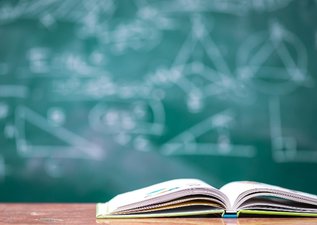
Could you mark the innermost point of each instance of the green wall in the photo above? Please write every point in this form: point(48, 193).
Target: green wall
point(101, 97)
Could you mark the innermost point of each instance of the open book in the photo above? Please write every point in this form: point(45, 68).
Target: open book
point(192, 197)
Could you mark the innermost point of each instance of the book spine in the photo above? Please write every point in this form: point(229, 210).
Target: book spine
point(230, 215)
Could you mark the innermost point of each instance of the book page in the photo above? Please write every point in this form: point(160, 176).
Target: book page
point(157, 193)
point(235, 191)
point(278, 204)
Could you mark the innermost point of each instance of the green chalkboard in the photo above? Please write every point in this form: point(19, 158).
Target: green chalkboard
point(102, 97)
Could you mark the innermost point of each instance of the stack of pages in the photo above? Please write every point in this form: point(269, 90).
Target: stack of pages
point(192, 197)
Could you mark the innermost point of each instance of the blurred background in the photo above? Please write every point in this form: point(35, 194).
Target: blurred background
point(102, 97)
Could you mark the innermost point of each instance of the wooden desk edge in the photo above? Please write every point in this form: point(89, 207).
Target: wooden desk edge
point(58, 213)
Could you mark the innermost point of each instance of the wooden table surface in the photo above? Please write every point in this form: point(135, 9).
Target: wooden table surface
point(85, 214)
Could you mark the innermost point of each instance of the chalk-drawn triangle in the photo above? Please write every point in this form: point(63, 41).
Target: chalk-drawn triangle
point(273, 70)
point(199, 47)
point(216, 127)
point(67, 144)
point(279, 65)
point(202, 70)
point(274, 62)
